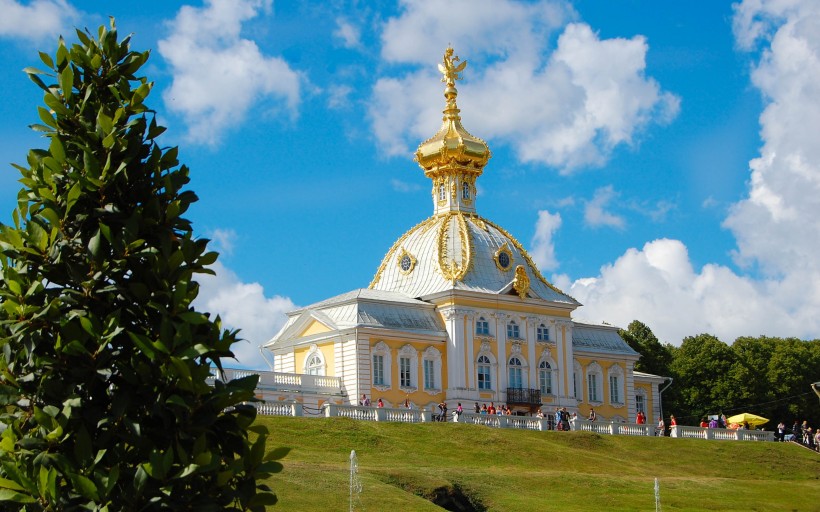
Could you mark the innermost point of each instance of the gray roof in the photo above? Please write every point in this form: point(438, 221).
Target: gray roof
point(367, 308)
point(599, 338)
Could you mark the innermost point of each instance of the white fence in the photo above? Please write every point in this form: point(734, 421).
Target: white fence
point(402, 415)
point(285, 382)
point(720, 434)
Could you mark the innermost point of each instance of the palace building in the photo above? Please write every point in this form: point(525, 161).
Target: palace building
point(458, 312)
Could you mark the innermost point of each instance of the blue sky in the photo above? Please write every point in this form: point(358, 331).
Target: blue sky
point(659, 161)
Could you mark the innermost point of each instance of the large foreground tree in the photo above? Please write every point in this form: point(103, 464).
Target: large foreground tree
point(105, 365)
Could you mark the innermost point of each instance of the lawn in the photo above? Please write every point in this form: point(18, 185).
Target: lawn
point(403, 466)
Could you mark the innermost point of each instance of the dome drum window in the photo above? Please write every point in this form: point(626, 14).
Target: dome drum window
point(406, 262)
point(503, 258)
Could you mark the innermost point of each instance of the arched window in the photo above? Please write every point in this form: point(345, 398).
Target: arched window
point(465, 191)
point(431, 361)
point(314, 365)
point(616, 382)
point(314, 361)
point(408, 368)
point(543, 334)
point(482, 327)
point(594, 383)
point(577, 383)
point(382, 365)
point(484, 366)
point(512, 330)
point(442, 192)
point(545, 378)
point(514, 367)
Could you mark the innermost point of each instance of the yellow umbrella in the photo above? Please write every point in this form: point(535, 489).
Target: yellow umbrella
point(752, 419)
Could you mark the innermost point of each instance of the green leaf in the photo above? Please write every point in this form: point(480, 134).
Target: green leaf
point(16, 497)
point(46, 58)
point(67, 82)
point(84, 485)
point(46, 117)
point(144, 344)
point(5, 483)
point(14, 287)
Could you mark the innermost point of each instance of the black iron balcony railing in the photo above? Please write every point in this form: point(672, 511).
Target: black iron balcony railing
point(523, 396)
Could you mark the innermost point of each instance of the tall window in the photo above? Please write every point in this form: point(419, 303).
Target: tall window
point(484, 381)
point(614, 390)
point(404, 372)
point(639, 404)
point(429, 374)
point(545, 378)
point(592, 379)
point(465, 191)
point(378, 370)
point(512, 330)
point(314, 365)
point(482, 327)
point(543, 333)
point(442, 193)
point(515, 373)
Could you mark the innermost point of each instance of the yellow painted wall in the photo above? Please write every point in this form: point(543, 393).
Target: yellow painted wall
point(605, 409)
point(314, 327)
point(395, 395)
point(300, 354)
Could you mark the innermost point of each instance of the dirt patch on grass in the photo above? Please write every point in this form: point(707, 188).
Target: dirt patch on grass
point(450, 496)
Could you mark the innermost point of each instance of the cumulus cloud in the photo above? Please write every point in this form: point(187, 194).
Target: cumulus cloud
point(543, 248)
point(775, 226)
point(218, 75)
point(566, 108)
point(36, 21)
point(595, 213)
point(348, 33)
point(243, 306)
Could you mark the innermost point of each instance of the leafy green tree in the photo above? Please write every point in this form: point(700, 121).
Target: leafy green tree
point(701, 367)
point(105, 366)
point(655, 357)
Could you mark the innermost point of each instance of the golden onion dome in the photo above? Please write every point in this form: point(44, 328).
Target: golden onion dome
point(452, 158)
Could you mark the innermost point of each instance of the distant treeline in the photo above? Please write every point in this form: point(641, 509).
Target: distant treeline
point(770, 377)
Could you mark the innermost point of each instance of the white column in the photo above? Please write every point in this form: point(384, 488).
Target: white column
point(564, 329)
point(531, 323)
point(454, 323)
point(469, 336)
point(501, 341)
point(561, 390)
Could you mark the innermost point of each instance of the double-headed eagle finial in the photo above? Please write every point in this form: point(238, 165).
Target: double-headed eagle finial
point(449, 69)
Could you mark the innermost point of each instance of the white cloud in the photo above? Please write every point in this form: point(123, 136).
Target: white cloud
point(37, 21)
point(339, 96)
point(223, 240)
point(219, 75)
point(776, 226)
point(243, 306)
point(403, 186)
point(595, 214)
point(349, 33)
point(543, 248)
point(566, 108)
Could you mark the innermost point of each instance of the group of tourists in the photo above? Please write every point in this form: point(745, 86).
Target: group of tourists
point(800, 433)
point(501, 410)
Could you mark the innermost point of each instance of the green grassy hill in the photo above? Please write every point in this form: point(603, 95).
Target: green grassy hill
point(403, 466)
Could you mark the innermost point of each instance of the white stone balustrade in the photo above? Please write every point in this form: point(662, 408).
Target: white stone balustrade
point(720, 434)
point(289, 382)
point(358, 412)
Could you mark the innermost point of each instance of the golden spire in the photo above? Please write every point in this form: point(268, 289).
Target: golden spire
point(452, 158)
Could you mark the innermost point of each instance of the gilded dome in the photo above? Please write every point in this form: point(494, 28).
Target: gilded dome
point(462, 252)
point(455, 248)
